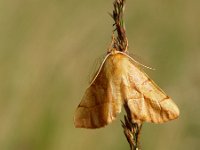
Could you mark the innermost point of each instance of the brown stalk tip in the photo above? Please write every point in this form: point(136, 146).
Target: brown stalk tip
point(121, 43)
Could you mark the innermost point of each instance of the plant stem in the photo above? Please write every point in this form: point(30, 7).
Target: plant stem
point(132, 130)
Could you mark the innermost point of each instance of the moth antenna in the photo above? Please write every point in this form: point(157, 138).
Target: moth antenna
point(120, 53)
point(100, 68)
point(137, 62)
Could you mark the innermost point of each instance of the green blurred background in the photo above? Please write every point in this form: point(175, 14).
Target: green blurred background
point(48, 49)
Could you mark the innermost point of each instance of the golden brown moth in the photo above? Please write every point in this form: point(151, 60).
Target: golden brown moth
point(120, 81)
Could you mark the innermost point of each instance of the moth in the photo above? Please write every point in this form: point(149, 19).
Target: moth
point(120, 81)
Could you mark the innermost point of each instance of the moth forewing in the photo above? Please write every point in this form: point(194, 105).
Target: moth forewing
point(152, 104)
point(102, 100)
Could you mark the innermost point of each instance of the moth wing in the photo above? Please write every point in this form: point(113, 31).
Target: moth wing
point(146, 101)
point(101, 101)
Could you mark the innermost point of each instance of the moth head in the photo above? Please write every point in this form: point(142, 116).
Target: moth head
point(113, 51)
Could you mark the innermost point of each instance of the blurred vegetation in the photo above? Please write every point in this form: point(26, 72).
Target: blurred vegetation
point(47, 51)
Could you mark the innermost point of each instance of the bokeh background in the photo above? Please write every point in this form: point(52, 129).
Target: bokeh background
point(49, 49)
